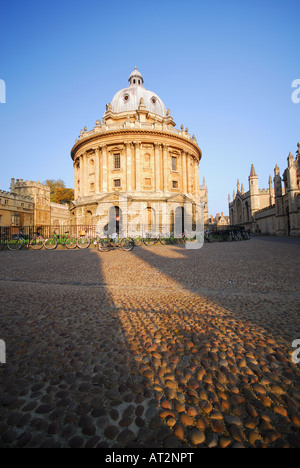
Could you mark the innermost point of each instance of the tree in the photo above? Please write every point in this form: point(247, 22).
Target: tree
point(58, 191)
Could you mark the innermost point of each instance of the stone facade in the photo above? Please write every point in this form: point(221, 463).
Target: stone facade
point(219, 221)
point(16, 210)
point(274, 211)
point(135, 164)
point(28, 204)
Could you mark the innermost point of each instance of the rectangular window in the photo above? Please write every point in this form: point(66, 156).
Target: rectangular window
point(174, 163)
point(15, 220)
point(147, 182)
point(175, 184)
point(117, 183)
point(117, 161)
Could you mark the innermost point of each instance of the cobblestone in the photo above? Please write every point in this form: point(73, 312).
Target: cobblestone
point(160, 347)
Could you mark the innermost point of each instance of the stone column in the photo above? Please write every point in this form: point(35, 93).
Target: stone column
point(137, 166)
point(184, 178)
point(85, 175)
point(75, 179)
point(188, 172)
point(196, 170)
point(156, 167)
point(97, 172)
point(128, 167)
point(165, 167)
point(81, 193)
point(104, 169)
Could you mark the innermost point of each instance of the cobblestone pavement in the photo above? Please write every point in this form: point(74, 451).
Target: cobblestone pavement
point(161, 347)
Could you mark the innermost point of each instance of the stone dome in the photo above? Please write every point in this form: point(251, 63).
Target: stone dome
point(128, 99)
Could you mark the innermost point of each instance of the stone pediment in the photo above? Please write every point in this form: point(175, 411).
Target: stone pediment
point(179, 198)
point(113, 197)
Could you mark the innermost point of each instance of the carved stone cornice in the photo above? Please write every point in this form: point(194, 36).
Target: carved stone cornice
point(136, 131)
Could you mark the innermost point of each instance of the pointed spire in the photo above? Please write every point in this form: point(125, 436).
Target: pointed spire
point(290, 159)
point(252, 172)
point(242, 189)
point(276, 170)
point(238, 185)
point(270, 181)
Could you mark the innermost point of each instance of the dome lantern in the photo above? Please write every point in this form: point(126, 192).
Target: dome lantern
point(135, 78)
point(128, 99)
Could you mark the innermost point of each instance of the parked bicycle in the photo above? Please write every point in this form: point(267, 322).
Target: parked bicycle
point(37, 241)
point(52, 242)
point(138, 240)
point(115, 242)
point(152, 238)
point(16, 241)
point(83, 241)
point(165, 239)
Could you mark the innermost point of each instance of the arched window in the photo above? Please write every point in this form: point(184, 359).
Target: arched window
point(91, 166)
point(179, 220)
point(88, 218)
point(149, 219)
point(114, 224)
point(239, 212)
point(247, 211)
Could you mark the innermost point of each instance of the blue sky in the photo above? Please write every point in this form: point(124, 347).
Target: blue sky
point(224, 69)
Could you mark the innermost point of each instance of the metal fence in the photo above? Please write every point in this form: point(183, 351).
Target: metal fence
point(129, 230)
point(27, 232)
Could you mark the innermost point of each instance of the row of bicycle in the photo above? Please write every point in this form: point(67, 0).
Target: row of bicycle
point(37, 241)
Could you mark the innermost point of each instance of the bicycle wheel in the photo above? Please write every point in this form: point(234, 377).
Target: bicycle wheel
point(103, 245)
point(36, 243)
point(138, 241)
point(15, 243)
point(71, 243)
point(127, 244)
point(83, 242)
point(50, 243)
point(164, 240)
point(149, 240)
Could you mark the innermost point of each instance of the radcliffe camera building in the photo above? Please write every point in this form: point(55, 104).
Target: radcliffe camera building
point(137, 165)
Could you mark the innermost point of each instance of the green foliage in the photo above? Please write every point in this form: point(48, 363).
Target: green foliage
point(58, 191)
